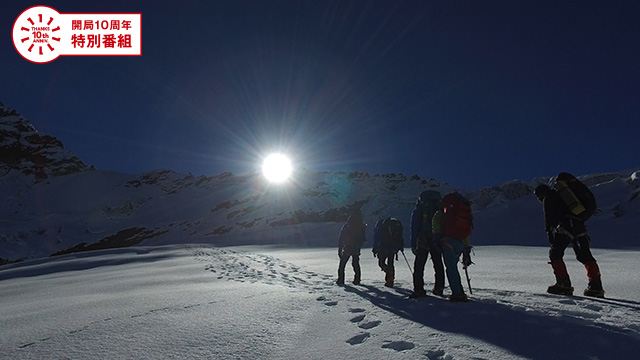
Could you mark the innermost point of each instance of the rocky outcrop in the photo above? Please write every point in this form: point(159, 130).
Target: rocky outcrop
point(24, 149)
point(124, 238)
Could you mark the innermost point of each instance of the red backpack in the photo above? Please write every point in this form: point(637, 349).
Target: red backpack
point(457, 220)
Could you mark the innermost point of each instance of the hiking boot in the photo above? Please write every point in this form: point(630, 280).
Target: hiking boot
point(437, 291)
point(356, 279)
point(388, 278)
point(594, 289)
point(418, 294)
point(560, 289)
point(459, 298)
point(340, 282)
point(594, 293)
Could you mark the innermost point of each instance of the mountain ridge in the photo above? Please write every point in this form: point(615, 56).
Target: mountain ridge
point(67, 206)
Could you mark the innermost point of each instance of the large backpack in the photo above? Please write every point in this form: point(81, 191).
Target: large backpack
point(457, 220)
point(353, 232)
point(353, 235)
point(429, 202)
point(391, 234)
point(576, 195)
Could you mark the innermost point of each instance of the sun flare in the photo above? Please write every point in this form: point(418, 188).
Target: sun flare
point(277, 167)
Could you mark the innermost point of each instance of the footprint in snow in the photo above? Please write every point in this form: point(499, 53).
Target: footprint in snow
point(358, 318)
point(436, 355)
point(399, 345)
point(370, 325)
point(327, 302)
point(359, 339)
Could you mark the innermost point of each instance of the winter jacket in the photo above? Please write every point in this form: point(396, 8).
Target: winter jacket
point(352, 236)
point(558, 215)
point(555, 210)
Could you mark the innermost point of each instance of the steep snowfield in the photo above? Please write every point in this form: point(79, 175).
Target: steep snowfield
point(204, 302)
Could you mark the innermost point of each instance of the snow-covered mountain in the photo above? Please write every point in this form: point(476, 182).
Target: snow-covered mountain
point(53, 203)
point(24, 149)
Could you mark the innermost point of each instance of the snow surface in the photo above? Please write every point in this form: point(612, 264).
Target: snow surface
point(261, 302)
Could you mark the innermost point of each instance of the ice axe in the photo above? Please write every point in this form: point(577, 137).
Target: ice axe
point(466, 273)
point(466, 260)
point(407, 261)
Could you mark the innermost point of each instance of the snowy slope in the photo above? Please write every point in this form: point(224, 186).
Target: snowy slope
point(203, 302)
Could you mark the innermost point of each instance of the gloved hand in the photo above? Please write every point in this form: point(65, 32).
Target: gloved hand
point(414, 250)
point(466, 256)
point(340, 253)
point(375, 253)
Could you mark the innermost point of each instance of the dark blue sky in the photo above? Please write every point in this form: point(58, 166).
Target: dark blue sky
point(473, 93)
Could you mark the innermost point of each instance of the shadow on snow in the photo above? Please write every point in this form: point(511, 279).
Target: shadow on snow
point(539, 335)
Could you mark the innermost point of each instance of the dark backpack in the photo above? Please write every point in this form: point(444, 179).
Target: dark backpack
point(353, 235)
point(391, 234)
point(457, 219)
point(576, 195)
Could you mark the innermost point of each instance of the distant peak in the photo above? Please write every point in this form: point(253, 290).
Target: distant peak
point(24, 149)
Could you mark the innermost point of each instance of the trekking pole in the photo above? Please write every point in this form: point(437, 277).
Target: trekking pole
point(407, 261)
point(468, 280)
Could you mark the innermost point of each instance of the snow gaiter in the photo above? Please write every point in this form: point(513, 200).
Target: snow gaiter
point(593, 271)
point(389, 276)
point(560, 271)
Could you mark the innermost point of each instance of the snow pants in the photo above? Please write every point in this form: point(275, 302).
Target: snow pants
point(578, 237)
point(581, 247)
point(419, 263)
point(355, 263)
point(385, 261)
point(452, 249)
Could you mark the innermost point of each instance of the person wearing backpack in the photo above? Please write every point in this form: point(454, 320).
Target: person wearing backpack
point(387, 241)
point(451, 228)
point(429, 201)
point(563, 227)
point(352, 237)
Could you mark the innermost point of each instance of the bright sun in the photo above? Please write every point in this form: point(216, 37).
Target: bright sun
point(276, 167)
